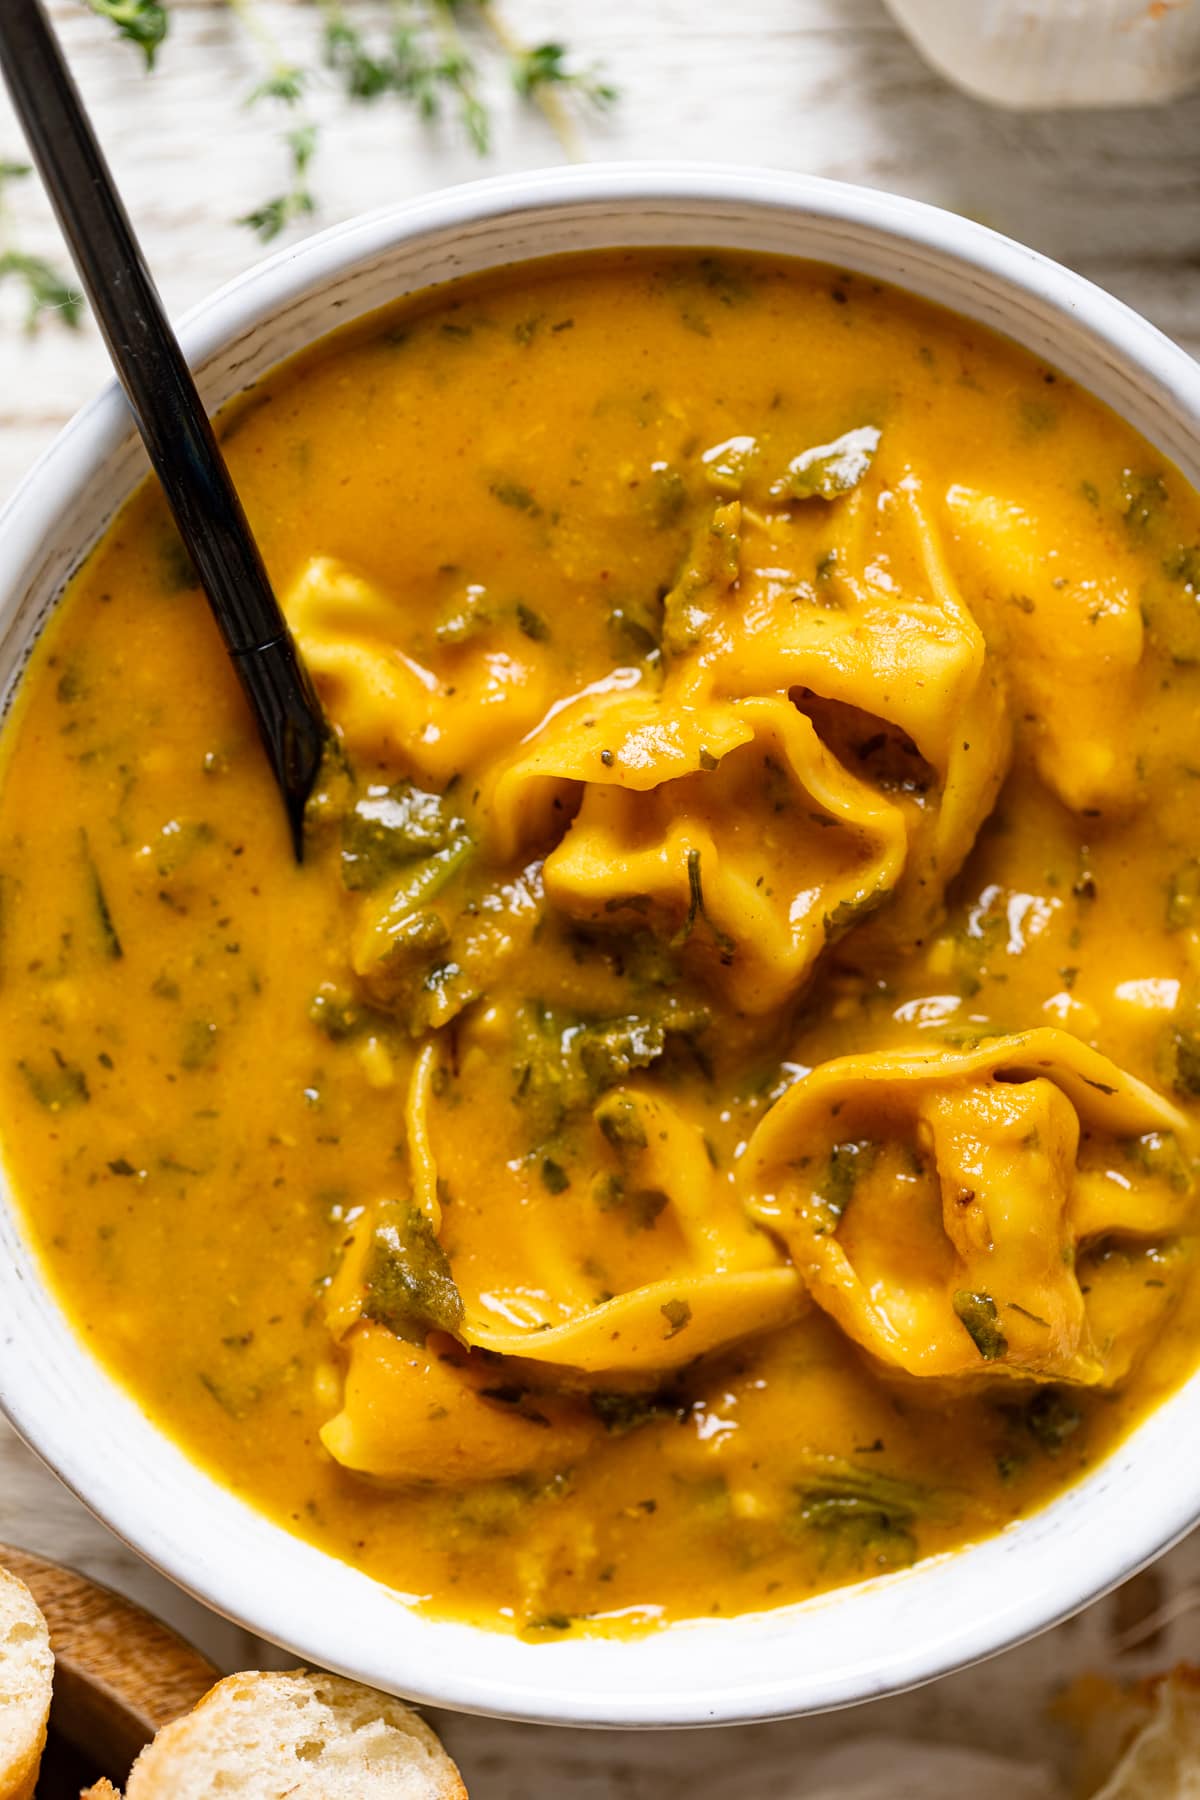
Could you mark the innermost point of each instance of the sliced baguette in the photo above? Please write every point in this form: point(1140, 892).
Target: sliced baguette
point(1152, 1735)
point(297, 1736)
point(26, 1678)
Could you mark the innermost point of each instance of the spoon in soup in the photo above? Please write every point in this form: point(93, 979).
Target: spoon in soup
point(165, 404)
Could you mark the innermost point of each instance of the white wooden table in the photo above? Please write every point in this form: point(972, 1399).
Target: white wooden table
point(827, 86)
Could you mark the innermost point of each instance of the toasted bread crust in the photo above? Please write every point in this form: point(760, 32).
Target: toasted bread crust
point(271, 1735)
point(26, 1680)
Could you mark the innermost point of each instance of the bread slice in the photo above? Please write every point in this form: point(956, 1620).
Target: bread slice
point(26, 1678)
point(300, 1736)
point(1153, 1731)
point(103, 1790)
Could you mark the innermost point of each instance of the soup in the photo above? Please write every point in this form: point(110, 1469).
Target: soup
point(713, 1116)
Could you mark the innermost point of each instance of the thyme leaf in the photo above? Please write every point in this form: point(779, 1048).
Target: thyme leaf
point(47, 289)
point(696, 911)
point(426, 60)
point(142, 23)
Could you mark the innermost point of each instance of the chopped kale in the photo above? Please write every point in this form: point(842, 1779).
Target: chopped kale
point(532, 623)
point(711, 567)
point(1184, 1058)
point(466, 619)
point(847, 1163)
point(851, 912)
point(178, 843)
point(555, 1179)
point(1183, 895)
point(564, 1063)
point(620, 1119)
point(407, 1284)
point(338, 1014)
point(862, 1514)
point(610, 1049)
point(727, 465)
point(1158, 1154)
point(828, 470)
point(1143, 496)
point(57, 1087)
point(390, 828)
point(638, 626)
point(640, 1207)
point(1184, 566)
point(668, 496)
point(620, 1411)
point(1051, 1417)
point(979, 1318)
point(100, 906)
point(423, 881)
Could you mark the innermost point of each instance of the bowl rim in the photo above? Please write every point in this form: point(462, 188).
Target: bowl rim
point(441, 1663)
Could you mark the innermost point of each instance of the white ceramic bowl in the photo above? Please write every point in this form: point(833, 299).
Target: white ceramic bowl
point(851, 1645)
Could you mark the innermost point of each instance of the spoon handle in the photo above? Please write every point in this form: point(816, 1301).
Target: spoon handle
point(166, 406)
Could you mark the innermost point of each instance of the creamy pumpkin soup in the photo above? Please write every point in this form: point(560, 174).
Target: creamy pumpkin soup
point(714, 1115)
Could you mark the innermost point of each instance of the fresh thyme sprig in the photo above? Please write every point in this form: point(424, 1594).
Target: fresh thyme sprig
point(284, 83)
point(269, 219)
point(46, 290)
point(143, 22)
point(424, 57)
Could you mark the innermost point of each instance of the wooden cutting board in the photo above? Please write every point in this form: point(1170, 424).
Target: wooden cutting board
point(119, 1676)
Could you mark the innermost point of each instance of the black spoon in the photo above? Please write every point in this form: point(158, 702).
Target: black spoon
point(169, 414)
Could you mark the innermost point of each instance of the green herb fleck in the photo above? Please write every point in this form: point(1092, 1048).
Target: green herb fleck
point(977, 1315)
point(100, 906)
point(516, 495)
point(696, 911)
point(200, 1040)
point(1183, 895)
point(532, 623)
point(678, 1315)
point(620, 1119)
point(1158, 1154)
point(1051, 1417)
point(1184, 1048)
point(555, 1179)
point(847, 1163)
point(1143, 496)
point(639, 625)
point(58, 1087)
point(621, 1411)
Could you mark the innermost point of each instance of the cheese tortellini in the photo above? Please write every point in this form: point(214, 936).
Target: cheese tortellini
point(817, 736)
point(1070, 621)
point(957, 1213)
point(398, 1280)
point(421, 714)
point(729, 825)
point(852, 610)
